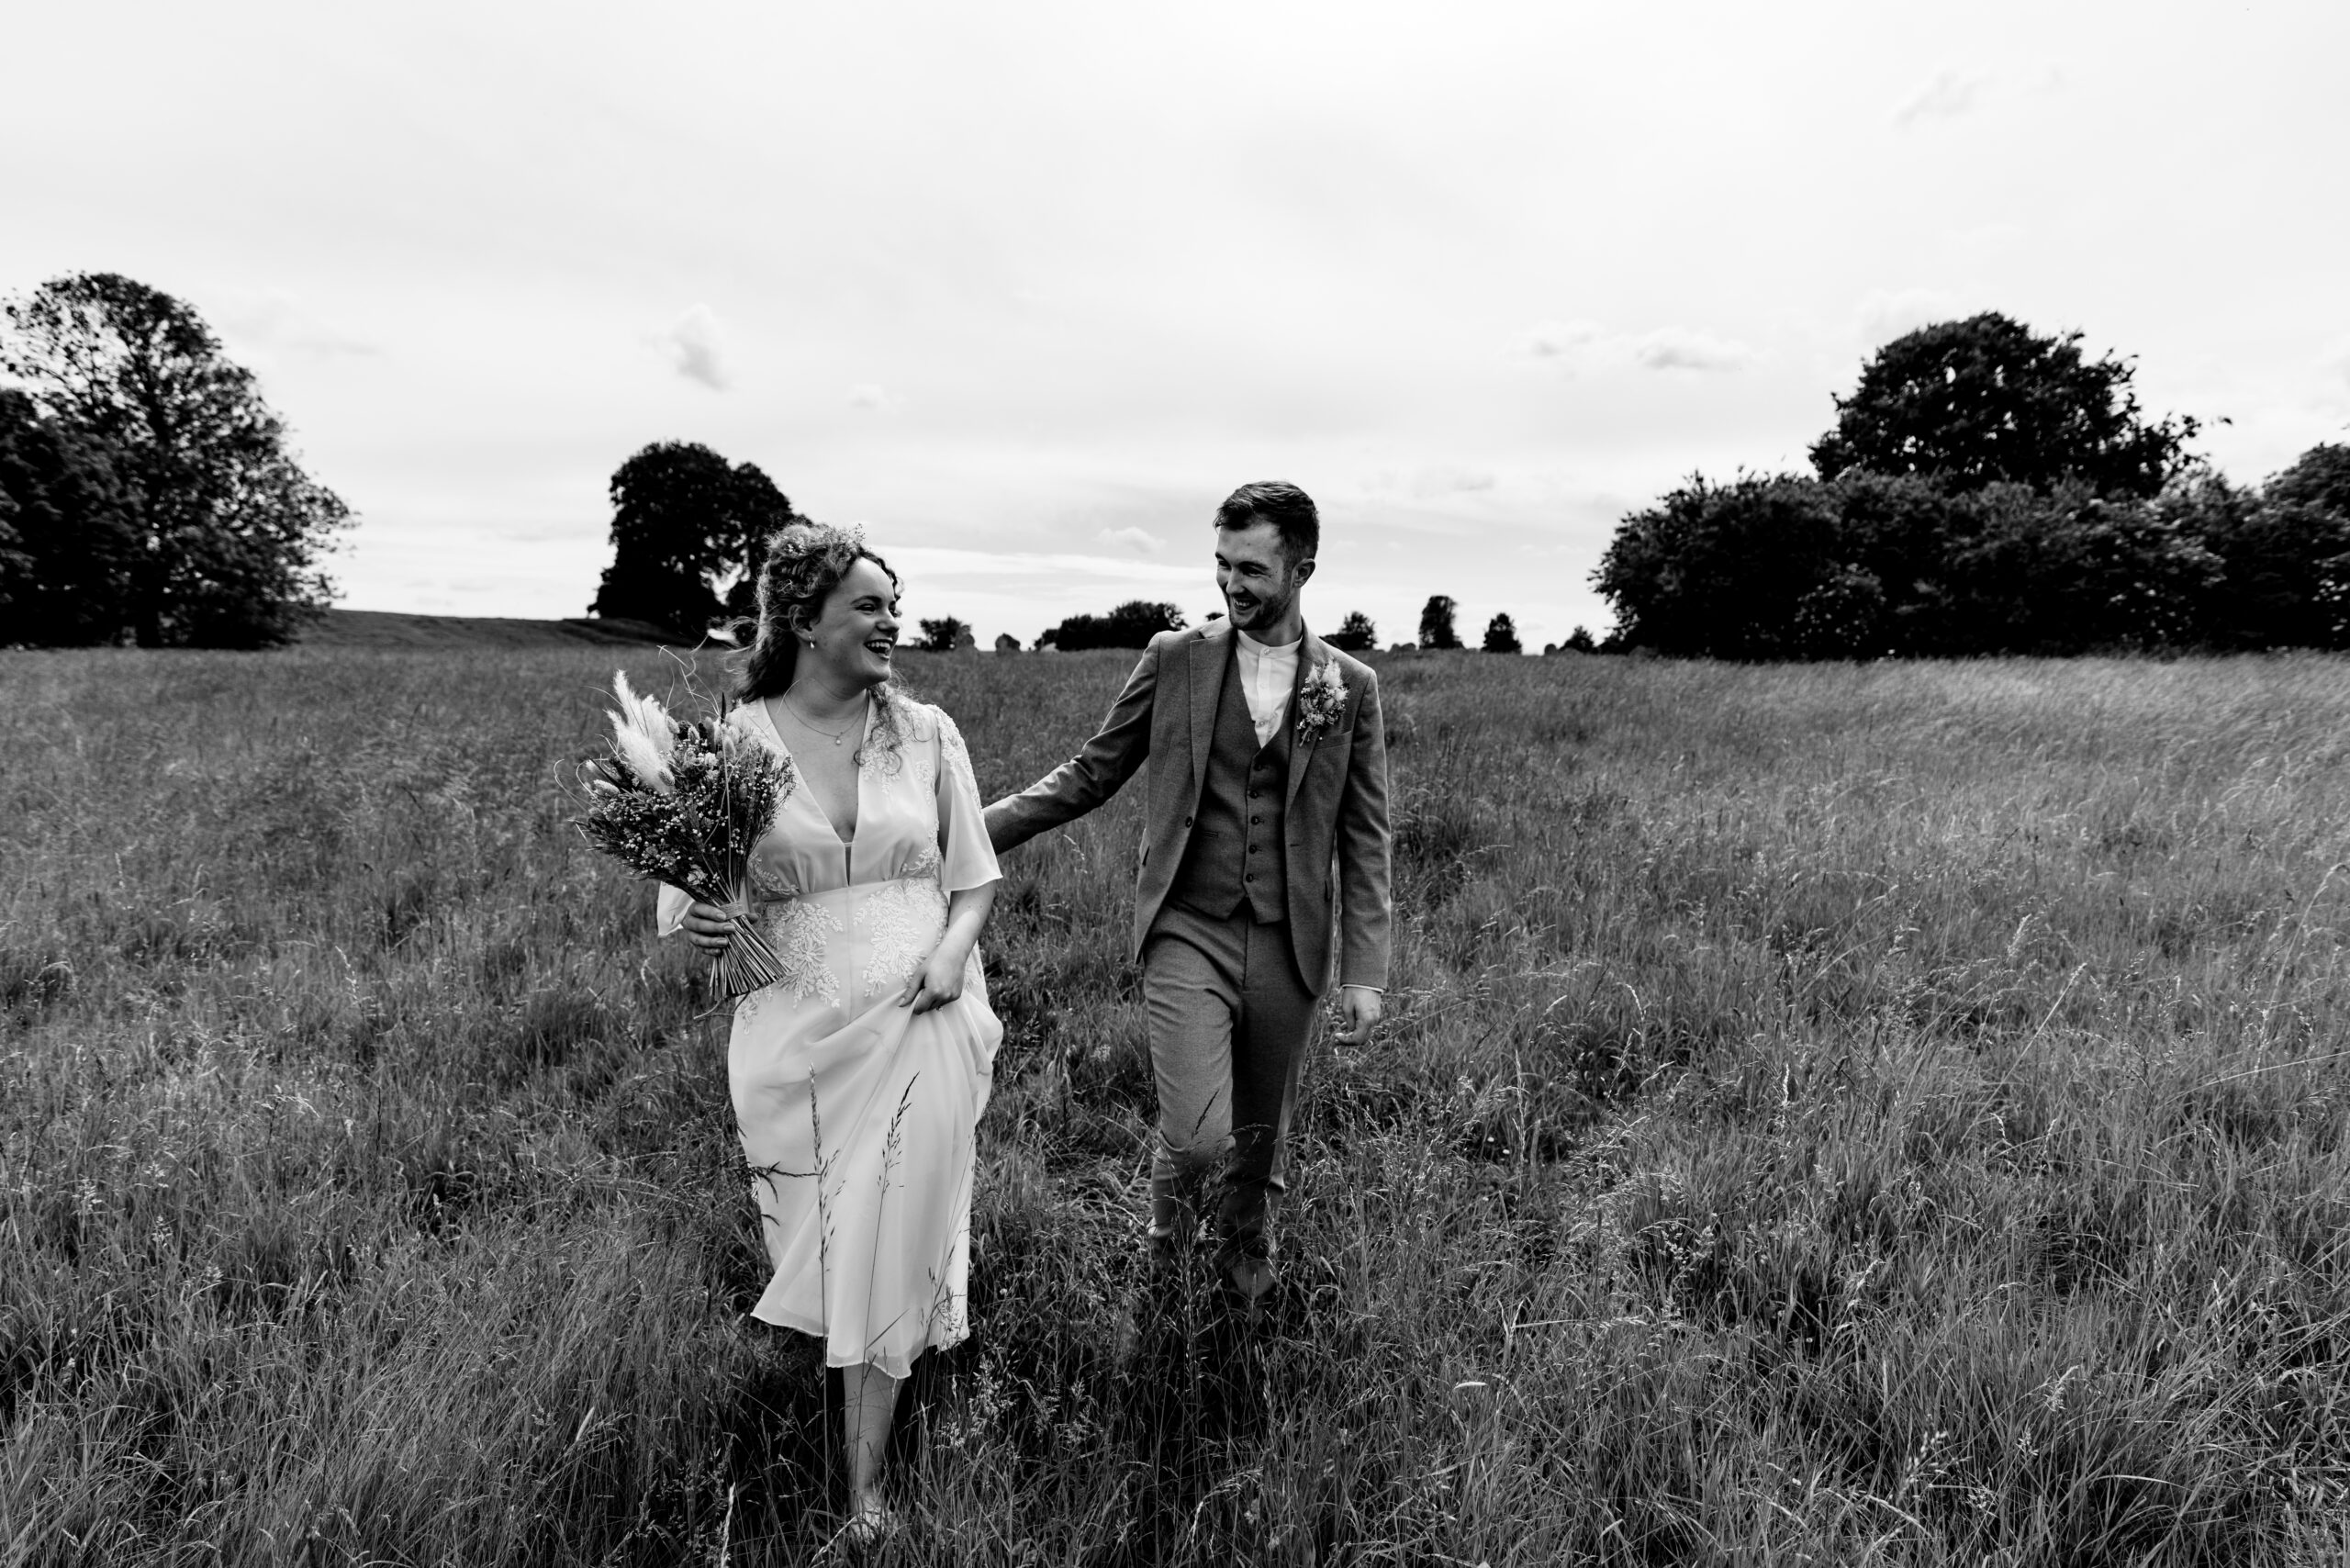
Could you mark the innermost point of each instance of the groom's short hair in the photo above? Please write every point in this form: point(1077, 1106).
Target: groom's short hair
point(1287, 508)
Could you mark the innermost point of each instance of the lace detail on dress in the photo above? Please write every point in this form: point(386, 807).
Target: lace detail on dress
point(800, 931)
point(885, 765)
point(769, 882)
point(906, 918)
point(957, 755)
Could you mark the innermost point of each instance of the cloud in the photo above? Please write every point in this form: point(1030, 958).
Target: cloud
point(1946, 97)
point(1139, 540)
point(1429, 481)
point(877, 399)
point(1585, 345)
point(276, 322)
point(696, 346)
point(1563, 340)
point(1679, 348)
point(1885, 314)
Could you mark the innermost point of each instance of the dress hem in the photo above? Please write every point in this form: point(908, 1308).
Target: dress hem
point(815, 1330)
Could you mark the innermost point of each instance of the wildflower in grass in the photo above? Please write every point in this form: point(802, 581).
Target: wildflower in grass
point(683, 802)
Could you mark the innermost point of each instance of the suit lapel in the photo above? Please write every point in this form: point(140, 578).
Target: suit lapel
point(1205, 669)
point(1310, 658)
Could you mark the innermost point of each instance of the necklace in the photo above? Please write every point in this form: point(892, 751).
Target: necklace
point(836, 738)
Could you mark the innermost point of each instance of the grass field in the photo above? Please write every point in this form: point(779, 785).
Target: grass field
point(1883, 1114)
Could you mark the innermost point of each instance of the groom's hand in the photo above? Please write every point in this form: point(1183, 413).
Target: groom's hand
point(1358, 1013)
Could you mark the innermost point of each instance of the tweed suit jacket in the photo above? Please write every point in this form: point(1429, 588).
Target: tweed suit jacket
point(1337, 848)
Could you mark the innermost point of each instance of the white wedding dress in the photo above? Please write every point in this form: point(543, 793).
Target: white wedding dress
point(857, 1116)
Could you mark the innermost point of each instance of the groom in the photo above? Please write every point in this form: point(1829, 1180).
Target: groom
point(1268, 806)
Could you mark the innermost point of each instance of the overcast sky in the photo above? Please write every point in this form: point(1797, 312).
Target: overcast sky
point(1025, 288)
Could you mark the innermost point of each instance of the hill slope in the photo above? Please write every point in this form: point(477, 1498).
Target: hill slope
point(385, 629)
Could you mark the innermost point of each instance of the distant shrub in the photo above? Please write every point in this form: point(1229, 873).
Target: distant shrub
point(946, 635)
point(1130, 625)
point(1501, 636)
point(1436, 622)
point(1869, 565)
point(1356, 633)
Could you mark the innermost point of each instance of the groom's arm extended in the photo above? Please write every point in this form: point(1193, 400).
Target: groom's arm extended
point(1366, 911)
point(1094, 775)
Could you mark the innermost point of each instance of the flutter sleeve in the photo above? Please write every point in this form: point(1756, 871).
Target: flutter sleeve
point(669, 914)
point(969, 857)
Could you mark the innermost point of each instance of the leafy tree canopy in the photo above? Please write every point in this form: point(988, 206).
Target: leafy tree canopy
point(686, 521)
point(67, 539)
point(2320, 479)
point(1986, 401)
point(1501, 636)
point(226, 529)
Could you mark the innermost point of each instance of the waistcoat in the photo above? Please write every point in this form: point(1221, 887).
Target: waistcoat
point(1235, 856)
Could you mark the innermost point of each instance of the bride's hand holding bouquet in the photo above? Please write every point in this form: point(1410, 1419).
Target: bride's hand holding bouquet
point(683, 802)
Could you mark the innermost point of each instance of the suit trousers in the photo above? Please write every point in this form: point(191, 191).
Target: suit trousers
point(1229, 1021)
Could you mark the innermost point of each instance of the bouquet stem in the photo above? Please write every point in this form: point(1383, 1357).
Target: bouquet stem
point(749, 962)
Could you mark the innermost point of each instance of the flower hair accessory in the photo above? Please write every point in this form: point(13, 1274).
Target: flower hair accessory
point(1321, 702)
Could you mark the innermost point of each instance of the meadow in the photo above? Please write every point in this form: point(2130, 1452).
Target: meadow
point(1889, 1114)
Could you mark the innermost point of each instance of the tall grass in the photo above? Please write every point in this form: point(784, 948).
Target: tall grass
point(1846, 1114)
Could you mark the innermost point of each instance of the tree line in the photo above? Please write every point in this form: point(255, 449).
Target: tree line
point(1987, 489)
point(1134, 622)
point(148, 493)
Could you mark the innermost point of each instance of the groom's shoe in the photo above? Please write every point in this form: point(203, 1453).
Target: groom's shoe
point(1248, 1275)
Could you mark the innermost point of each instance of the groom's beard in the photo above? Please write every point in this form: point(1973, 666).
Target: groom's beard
point(1261, 612)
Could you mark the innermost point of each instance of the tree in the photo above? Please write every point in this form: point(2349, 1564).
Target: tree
point(2074, 572)
point(1720, 570)
point(2284, 556)
point(1436, 622)
point(1356, 635)
point(227, 529)
point(684, 521)
point(1984, 400)
point(1501, 636)
point(2320, 477)
point(67, 541)
point(1867, 566)
point(946, 635)
point(1130, 625)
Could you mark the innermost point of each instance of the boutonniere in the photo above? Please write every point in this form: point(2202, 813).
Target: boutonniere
point(1321, 702)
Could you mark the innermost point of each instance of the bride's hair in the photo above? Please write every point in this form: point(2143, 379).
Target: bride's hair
point(802, 565)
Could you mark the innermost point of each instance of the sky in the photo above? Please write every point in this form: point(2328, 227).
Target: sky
point(1025, 289)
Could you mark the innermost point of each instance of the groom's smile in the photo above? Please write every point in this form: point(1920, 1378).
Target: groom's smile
point(1259, 581)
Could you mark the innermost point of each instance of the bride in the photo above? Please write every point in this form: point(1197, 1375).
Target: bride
point(859, 1078)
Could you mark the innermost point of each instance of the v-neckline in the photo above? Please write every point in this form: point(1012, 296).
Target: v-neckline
point(822, 815)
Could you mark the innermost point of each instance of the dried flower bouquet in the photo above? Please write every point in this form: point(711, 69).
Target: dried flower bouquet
point(683, 802)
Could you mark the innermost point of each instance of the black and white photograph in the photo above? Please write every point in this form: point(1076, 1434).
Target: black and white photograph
point(1461, 785)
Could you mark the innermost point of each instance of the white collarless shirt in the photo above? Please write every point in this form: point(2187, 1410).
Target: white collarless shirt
point(1268, 675)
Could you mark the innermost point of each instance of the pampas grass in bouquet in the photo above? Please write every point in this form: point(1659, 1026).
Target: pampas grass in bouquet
point(683, 802)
